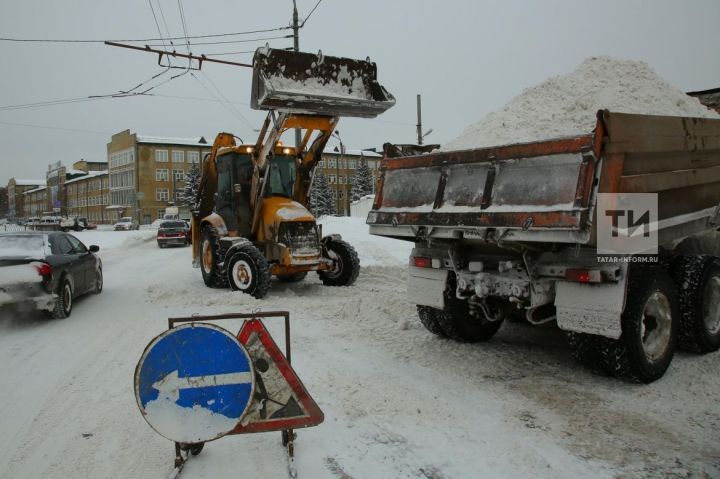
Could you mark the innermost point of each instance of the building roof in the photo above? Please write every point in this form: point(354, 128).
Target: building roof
point(352, 152)
point(91, 174)
point(30, 182)
point(159, 140)
point(35, 190)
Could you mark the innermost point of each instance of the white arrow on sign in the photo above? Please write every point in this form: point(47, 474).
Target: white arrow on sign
point(170, 386)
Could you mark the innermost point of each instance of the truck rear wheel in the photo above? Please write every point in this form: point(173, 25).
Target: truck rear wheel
point(248, 271)
point(347, 264)
point(649, 328)
point(697, 280)
point(456, 321)
point(210, 259)
point(428, 318)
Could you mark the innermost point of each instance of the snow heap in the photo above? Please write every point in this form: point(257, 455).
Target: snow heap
point(566, 105)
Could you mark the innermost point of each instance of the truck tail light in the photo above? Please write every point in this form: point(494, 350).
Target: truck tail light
point(43, 269)
point(583, 276)
point(420, 262)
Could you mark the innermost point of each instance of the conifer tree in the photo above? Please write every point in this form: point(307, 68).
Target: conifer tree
point(188, 197)
point(362, 181)
point(322, 200)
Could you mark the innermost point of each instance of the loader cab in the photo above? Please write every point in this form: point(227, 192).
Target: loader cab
point(281, 177)
point(235, 172)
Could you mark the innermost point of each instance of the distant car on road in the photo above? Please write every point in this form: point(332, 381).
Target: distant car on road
point(126, 224)
point(173, 232)
point(47, 271)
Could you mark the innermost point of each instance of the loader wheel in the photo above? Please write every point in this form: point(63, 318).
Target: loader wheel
point(210, 259)
point(649, 328)
point(347, 264)
point(697, 281)
point(292, 278)
point(587, 350)
point(248, 271)
point(429, 318)
point(457, 323)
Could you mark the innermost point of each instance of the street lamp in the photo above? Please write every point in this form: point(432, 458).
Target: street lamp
point(337, 169)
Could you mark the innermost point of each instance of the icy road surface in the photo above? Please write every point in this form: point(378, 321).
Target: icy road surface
point(398, 402)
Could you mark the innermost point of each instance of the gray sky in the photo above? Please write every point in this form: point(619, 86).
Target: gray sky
point(466, 57)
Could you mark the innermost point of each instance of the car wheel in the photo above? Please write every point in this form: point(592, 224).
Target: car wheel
point(63, 301)
point(98, 281)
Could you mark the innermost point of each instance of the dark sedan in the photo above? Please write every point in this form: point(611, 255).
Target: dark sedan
point(47, 271)
point(173, 232)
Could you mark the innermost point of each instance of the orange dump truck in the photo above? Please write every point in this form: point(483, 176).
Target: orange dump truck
point(612, 235)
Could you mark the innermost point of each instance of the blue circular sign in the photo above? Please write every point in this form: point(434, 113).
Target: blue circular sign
point(194, 383)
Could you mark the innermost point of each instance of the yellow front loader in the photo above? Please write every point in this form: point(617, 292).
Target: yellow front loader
point(252, 221)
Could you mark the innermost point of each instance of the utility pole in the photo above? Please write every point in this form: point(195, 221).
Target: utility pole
point(296, 46)
point(419, 120)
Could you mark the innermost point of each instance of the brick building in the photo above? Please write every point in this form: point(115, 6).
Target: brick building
point(56, 177)
point(88, 197)
point(147, 174)
point(340, 170)
point(35, 202)
point(16, 190)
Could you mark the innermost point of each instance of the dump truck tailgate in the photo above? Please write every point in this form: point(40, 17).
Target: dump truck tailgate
point(543, 185)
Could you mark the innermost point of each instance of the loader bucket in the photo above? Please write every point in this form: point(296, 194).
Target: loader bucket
point(300, 82)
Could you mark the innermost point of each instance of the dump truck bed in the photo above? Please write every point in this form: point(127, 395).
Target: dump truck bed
point(546, 191)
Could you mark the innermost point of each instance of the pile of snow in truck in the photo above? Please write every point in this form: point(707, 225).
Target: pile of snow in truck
point(566, 105)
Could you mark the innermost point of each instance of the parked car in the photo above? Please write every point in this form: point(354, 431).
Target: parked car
point(47, 271)
point(173, 232)
point(85, 224)
point(126, 223)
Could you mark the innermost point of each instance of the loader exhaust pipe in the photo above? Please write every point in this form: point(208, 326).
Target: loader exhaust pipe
point(299, 82)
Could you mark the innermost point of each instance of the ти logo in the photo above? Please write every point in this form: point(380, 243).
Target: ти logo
point(627, 223)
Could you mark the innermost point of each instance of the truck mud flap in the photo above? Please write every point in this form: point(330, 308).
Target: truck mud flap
point(426, 286)
point(590, 308)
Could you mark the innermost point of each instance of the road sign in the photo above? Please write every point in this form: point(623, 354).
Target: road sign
point(280, 400)
point(194, 383)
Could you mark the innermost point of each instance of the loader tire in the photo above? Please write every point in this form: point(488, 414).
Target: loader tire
point(428, 318)
point(347, 264)
point(457, 323)
point(292, 278)
point(649, 328)
point(248, 271)
point(697, 281)
point(210, 259)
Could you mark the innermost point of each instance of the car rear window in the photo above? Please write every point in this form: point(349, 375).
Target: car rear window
point(22, 246)
point(173, 224)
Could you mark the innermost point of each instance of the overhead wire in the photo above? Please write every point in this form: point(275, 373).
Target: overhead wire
point(224, 42)
point(140, 40)
point(310, 14)
point(247, 122)
point(227, 107)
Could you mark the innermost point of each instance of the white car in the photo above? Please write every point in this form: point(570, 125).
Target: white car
point(126, 224)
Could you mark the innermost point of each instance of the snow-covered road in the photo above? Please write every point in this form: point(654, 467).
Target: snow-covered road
point(398, 401)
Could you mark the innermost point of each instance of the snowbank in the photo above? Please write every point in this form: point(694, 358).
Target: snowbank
point(566, 105)
point(373, 250)
point(114, 240)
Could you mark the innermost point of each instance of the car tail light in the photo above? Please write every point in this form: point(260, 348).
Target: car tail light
point(43, 269)
point(583, 275)
point(420, 262)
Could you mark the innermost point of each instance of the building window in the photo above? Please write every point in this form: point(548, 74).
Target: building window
point(341, 180)
point(179, 175)
point(160, 214)
point(342, 163)
point(321, 163)
point(162, 194)
point(161, 156)
point(193, 157)
point(351, 164)
point(331, 163)
point(122, 158)
point(332, 180)
point(178, 196)
point(178, 156)
point(161, 175)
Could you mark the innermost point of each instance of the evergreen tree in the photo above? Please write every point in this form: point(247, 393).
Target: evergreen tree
point(322, 200)
point(362, 181)
point(188, 196)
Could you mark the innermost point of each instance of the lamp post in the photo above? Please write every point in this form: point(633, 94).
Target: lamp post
point(337, 170)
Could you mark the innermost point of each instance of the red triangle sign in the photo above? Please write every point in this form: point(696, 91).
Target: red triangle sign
point(280, 400)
